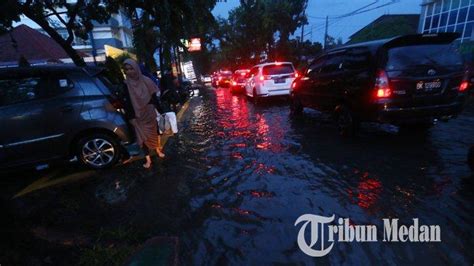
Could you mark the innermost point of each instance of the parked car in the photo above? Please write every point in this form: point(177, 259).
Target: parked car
point(49, 113)
point(238, 80)
point(406, 81)
point(270, 79)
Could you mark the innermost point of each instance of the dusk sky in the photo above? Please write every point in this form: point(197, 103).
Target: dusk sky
point(318, 9)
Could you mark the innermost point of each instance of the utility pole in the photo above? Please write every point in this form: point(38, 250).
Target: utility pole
point(302, 27)
point(326, 33)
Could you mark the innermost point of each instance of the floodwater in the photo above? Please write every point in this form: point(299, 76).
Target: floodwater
point(260, 169)
point(238, 176)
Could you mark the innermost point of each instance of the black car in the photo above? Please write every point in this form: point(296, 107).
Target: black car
point(406, 81)
point(59, 112)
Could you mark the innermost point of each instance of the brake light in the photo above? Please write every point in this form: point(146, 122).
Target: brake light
point(464, 85)
point(296, 74)
point(220, 78)
point(382, 87)
point(262, 78)
point(234, 83)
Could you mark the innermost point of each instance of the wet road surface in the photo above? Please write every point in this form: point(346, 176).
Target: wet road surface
point(236, 179)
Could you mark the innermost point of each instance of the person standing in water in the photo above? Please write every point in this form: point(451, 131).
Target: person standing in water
point(142, 93)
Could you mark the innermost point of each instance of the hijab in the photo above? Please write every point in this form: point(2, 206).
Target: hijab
point(140, 89)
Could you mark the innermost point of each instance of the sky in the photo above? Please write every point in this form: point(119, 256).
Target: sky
point(318, 9)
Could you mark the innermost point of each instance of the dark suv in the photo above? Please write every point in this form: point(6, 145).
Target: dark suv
point(59, 112)
point(406, 81)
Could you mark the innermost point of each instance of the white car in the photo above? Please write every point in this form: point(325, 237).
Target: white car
point(206, 79)
point(270, 79)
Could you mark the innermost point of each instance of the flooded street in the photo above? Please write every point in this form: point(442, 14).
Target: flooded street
point(237, 178)
point(265, 169)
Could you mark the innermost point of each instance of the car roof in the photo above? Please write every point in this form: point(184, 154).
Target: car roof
point(91, 70)
point(373, 46)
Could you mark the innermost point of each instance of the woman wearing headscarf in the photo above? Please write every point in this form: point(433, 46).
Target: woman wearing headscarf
point(142, 93)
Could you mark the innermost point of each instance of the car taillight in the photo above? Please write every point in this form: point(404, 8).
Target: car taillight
point(382, 87)
point(293, 85)
point(234, 83)
point(464, 85)
point(296, 74)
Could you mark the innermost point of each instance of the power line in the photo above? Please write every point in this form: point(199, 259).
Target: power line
point(358, 11)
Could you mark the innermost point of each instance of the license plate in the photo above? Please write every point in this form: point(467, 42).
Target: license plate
point(428, 86)
point(280, 80)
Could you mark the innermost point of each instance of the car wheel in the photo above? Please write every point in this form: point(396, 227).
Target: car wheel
point(98, 151)
point(470, 158)
point(347, 124)
point(255, 96)
point(296, 108)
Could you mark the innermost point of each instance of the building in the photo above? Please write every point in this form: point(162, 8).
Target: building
point(387, 26)
point(448, 16)
point(117, 32)
point(32, 45)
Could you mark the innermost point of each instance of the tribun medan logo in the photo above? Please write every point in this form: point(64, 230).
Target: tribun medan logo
point(323, 235)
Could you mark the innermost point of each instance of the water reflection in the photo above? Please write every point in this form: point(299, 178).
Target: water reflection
point(256, 171)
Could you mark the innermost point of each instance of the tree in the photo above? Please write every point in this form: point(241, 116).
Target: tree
point(258, 27)
point(162, 24)
point(284, 17)
point(50, 15)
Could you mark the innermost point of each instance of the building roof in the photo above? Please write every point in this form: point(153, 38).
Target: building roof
point(387, 26)
point(30, 43)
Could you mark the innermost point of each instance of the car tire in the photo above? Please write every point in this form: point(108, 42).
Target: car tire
point(347, 124)
point(296, 107)
point(98, 151)
point(470, 158)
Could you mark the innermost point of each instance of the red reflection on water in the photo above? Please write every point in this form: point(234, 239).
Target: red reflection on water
point(369, 191)
point(237, 155)
point(233, 114)
point(262, 168)
point(261, 194)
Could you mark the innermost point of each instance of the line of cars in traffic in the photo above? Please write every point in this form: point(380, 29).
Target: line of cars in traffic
point(409, 81)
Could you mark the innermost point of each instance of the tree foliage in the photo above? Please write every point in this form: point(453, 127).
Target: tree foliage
point(76, 18)
point(162, 24)
point(259, 28)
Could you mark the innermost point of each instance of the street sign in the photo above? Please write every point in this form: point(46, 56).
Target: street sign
point(195, 45)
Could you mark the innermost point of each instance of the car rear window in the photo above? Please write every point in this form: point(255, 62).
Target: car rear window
point(412, 56)
point(278, 69)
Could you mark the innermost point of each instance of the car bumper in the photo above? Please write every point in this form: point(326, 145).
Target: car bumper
point(396, 115)
point(274, 92)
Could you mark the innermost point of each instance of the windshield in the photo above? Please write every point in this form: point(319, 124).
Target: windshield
point(433, 55)
point(278, 69)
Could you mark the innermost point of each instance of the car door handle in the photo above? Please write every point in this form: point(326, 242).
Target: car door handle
point(67, 109)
